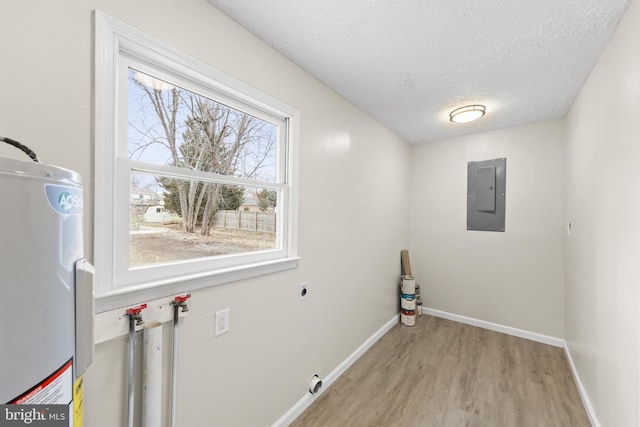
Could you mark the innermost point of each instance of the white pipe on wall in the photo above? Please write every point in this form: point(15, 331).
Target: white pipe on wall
point(174, 366)
point(152, 376)
point(132, 332)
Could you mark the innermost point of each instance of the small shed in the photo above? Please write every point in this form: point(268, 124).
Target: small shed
point(157, 213)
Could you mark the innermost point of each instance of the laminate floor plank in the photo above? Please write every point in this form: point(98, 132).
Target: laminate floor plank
point(441, 373)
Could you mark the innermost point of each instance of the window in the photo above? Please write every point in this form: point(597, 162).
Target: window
point(194, 173)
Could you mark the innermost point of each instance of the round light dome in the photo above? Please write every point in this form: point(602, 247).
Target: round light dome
point(467, 113)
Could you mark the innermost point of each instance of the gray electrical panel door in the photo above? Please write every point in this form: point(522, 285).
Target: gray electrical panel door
point(486, 190)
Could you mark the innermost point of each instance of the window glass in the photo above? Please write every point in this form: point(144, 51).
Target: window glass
point(169, 125)
point(241, 219)
point(174, 218)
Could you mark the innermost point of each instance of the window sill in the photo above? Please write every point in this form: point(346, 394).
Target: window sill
point(150, 291)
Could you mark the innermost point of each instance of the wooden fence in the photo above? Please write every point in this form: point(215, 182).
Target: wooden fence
point(244, 220)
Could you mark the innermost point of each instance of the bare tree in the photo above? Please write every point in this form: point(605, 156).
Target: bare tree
point(214, 138)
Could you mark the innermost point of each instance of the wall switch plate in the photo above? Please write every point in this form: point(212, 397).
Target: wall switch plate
point(302, 291)
point(222, 322)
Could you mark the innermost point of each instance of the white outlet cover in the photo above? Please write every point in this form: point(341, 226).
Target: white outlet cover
point(222, 322)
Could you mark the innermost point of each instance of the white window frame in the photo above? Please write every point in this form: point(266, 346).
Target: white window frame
point(116, 46)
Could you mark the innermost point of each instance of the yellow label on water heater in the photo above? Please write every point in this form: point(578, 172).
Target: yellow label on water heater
point(78, 402)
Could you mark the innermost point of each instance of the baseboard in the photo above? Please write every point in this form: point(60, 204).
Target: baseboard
point(586, 402)
point(533, 336)
point(308, 398)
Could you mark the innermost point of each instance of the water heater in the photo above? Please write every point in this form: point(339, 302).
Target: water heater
point(46, 315)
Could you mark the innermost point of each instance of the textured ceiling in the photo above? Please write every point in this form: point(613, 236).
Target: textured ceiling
point(409, 63)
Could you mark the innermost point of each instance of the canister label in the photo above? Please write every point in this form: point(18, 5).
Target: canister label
point(408, 303)
point(408, 285)
point(63, 199)
point(408, 317)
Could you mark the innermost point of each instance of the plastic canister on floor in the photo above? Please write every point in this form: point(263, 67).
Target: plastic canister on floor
point(408, 317)
point(408, 302)
point(408, 285)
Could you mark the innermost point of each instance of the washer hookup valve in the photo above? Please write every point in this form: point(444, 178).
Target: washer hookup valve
point(135, 313)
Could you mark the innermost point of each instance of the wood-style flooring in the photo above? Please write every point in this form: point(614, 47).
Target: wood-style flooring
point(448, 374)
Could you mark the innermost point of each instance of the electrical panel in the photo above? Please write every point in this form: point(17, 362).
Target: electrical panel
point(486, 191)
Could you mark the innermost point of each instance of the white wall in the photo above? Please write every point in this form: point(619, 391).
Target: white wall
point(602, 255)
point(354, 183)
point(354, 180)
point(512, 278)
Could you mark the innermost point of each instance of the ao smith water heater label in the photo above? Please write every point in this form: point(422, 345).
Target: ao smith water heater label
point(64, 200)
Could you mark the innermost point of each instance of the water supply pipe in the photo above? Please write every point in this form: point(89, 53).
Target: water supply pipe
point(152, 375)
point(135, 319)
point(179, 304)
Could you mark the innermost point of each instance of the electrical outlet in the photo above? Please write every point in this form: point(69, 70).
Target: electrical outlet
point(222, 322)
point(302, 291)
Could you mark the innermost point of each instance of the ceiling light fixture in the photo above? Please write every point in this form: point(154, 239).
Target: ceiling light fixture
point(467, 113)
